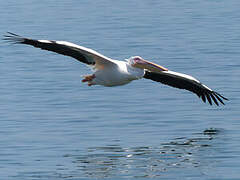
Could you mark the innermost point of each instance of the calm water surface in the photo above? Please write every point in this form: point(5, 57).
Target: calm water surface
point(54, 127)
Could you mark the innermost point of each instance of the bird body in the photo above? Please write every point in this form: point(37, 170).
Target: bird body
point(120, 74)
point(110, 72)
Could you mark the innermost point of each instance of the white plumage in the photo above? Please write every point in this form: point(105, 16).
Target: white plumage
point(119, 74)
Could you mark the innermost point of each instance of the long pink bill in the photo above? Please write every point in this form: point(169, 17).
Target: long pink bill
point(144, 64)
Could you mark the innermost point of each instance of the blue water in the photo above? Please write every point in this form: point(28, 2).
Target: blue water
point(54, 127)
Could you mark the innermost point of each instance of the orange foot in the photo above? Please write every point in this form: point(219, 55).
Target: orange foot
point(89, 78)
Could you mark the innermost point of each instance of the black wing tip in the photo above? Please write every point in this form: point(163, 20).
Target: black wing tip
point(13, 34)
point(13, 38)
point(209, 98)
point(212, 95)
point(221, 96)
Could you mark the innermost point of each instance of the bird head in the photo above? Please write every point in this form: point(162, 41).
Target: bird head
point(139, 62)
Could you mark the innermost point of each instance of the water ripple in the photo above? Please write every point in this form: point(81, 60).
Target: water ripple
point(113, 161)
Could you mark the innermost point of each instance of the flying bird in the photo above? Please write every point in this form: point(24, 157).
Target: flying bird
point(110, 72)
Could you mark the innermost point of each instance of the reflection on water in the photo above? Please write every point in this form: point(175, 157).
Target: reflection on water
point(114, 160)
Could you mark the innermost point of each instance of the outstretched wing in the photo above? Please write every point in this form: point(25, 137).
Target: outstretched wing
point(82, 54)
point(183, 81)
